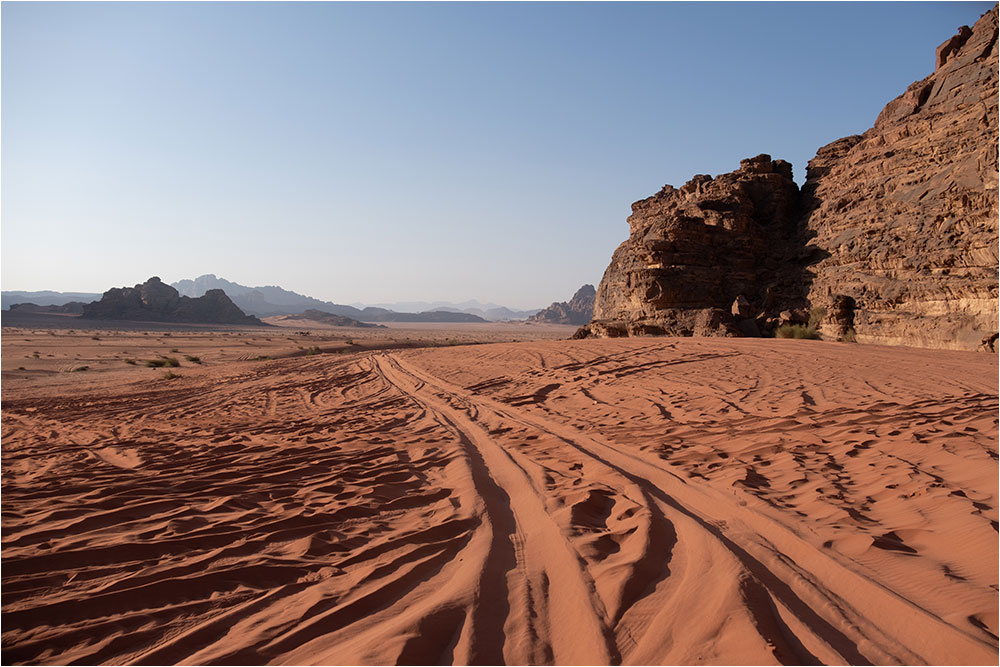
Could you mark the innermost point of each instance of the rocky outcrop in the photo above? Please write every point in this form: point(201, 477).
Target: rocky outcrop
point(693, 252)
point(331, 319)
point(577, 310)
point(892, 239)
point(154, 301)
point(70, 308)
point(904, 216)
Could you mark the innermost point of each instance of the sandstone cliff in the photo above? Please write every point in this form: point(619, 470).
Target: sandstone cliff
point(904, 216)
point(892, 239)
point(154, 301)
point(693, 251)
point(577, 310)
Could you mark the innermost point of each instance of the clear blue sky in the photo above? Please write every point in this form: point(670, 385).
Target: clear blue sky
point(382, 152)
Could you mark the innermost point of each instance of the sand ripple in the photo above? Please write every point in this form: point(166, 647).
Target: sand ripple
point(601, 502)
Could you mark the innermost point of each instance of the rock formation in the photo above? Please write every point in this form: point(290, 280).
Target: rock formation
point(154, 301)
point(905, 215)
point(577, 310)
point(693, 251)
point(892, 239)
point(331, 319)
point(69, 308)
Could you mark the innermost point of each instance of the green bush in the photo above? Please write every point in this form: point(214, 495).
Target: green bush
point(796, 331)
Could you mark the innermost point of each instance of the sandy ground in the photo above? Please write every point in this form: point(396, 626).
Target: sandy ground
point(597, 501)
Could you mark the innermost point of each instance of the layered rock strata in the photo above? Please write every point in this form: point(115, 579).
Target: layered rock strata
point(694, 250)
point(904, 216)
point(892, 239)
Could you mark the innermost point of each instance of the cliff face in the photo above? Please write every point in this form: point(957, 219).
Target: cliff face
point(893, 236)
point(693, 252)
point(905, 215)
point(154, 301)
point(577, 310)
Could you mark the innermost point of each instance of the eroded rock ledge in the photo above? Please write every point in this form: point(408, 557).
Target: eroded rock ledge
point(892, 239)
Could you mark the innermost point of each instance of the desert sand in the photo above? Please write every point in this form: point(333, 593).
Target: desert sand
point(641, 501)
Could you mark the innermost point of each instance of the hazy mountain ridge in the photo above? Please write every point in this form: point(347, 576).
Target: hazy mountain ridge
point(270, 300)
point(44, 298)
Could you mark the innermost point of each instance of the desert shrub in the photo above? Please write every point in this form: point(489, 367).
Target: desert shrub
point(850, 336)
point(816, 316)
point(193, 359)
point(170, 375)
point(174, 349)
point(130, 362)
point(79, 369)
point(171, 362)
point(312, 350)
point(156, 363)
point(262, 357)
point(796, 331)
point(21, 368)
point(349, 341)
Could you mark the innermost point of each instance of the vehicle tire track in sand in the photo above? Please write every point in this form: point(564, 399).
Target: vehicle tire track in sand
point(549, 578)
point(840, 608)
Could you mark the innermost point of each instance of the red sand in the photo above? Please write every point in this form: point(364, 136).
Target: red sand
point(597, 501)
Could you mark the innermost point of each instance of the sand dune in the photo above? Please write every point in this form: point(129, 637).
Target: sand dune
point(632, 501)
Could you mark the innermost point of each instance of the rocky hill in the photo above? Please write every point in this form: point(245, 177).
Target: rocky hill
point(155, 301)
point(892, 239)
point(331, 319)
point(577, 310)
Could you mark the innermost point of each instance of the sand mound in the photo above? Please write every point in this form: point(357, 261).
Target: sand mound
point(596, 501)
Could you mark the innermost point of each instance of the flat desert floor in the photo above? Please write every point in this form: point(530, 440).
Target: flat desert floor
point(677, 501)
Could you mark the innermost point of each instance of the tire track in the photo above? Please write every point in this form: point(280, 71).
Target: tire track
point(841, 610)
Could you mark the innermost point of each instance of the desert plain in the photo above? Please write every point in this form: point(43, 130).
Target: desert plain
point(491, 495)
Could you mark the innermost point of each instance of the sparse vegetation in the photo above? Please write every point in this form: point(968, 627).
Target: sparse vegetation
point(816, 316)
point(796, 331)
point(79, 369)
point(349, 341)
point(21, 368)
point(850, 336)
point(312, 349)
point(262, 357)
point(170, 362)
point(170, 375)
point(130, 362)
point(174, 349)
point(193, 359)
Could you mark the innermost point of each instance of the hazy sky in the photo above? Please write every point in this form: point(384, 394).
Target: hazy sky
point(382, 152)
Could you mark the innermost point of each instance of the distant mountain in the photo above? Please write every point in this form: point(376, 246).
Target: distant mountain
point(155, 301)
point(71, 308)
point(430, 316)
point(331, 319)
point(263, 301)
point(578, 310)
point(45, 298)
point(488, 311)
point(271, 300)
